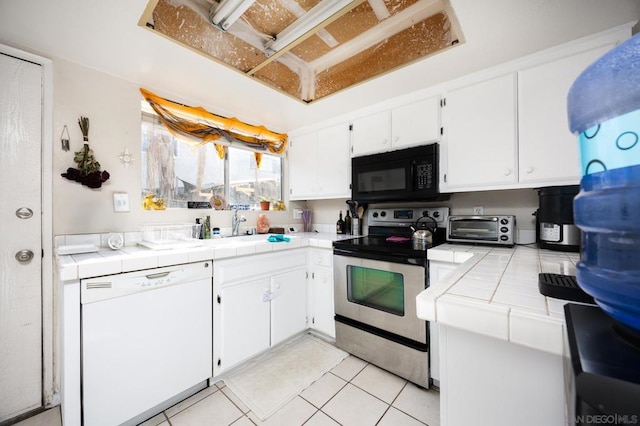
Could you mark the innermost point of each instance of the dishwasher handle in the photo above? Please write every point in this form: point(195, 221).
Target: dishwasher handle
point(158, 275)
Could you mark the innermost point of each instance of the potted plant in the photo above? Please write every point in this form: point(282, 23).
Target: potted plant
point(265, 203)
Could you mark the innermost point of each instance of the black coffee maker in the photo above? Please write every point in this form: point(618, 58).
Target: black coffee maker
point(555, 229)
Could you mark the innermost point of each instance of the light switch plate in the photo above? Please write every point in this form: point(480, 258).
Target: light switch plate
point(120, 202)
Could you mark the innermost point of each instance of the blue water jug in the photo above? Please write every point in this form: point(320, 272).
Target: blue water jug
point(604, 112)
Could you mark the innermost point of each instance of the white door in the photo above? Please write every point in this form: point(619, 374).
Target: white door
point(288, 305)
point(481, 134)
point(245, 323)
point(334, 162)
point(548, 150)
point(371, 134)
point(20, 228)
point(416, 124)
point(323, 312)
point(303, 167)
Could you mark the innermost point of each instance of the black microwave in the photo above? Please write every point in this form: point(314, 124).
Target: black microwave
point(405, 175)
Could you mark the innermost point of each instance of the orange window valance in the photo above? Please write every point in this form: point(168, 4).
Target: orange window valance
point(199, 125)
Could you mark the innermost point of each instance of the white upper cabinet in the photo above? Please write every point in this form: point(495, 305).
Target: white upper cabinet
point(303, 175)
point(414, 124)
point(320, 164)
point(548, 151)
point(480, 134)
point(371, 134)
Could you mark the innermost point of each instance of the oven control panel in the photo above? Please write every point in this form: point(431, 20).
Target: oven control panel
point(400, 216)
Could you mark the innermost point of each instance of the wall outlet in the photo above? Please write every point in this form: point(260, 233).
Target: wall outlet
point(297, 213)
point(120, 202)
point(478, 211)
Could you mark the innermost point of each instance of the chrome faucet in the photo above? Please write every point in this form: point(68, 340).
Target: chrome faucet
point(235, 222)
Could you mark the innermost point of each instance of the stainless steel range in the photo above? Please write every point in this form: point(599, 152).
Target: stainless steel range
point(376, 280)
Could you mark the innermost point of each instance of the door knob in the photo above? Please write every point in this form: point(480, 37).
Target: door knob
point(24, 213)
point(24, 256)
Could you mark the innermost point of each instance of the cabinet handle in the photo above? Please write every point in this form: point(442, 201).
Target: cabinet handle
point(384, 141)
point(529, 170)
point(507, 172)
point(396, 139)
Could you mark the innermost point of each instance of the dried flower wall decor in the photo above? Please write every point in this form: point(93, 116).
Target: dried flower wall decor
point(88, 172)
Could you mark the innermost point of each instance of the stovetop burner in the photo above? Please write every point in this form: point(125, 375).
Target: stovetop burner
point(379, 244)
point(396, 223)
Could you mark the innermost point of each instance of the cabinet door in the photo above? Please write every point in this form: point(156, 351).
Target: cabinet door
point(416, 124)
point(288, 304)
point(548, 150)
point(439, 270)
point(244, 322)
point(323, 308)
point(480, 132)
point(371, 134)
point(303, 166)
point(333, 162)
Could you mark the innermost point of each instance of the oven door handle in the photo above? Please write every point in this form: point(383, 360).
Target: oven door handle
point(380, 256)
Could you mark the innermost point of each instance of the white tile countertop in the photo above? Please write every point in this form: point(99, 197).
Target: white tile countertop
point(132, 257)
point(494, 292)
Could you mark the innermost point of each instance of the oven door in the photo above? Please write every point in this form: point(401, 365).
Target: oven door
point(380, 294)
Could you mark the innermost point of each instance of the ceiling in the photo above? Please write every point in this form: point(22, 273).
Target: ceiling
point(105, 36)
point(308, 49)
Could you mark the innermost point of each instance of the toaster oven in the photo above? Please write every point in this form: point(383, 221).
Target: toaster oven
point(498, 230)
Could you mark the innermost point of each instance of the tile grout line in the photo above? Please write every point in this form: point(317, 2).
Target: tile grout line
point(319, 409)
point(242, 413)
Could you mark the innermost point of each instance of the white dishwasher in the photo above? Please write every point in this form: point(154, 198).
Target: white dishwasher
point(146, 337)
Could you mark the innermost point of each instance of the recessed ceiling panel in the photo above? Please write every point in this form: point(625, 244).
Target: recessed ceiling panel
point(308, 49)
point(420, 40)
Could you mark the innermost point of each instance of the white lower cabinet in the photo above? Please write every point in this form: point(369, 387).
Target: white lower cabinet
point(259, 301)
point(243, 325)
point(321, 308)
point(288, 308)
point(491, 382)
point(437, 272)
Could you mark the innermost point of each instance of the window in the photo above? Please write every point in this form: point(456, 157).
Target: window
point(180, 172)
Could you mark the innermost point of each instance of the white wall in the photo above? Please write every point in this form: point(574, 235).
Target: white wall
point(113, 107)
point(519, 202)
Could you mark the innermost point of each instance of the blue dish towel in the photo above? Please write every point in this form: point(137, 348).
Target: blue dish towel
point(278, 238)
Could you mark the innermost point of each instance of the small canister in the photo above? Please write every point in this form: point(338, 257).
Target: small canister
point(355, 226)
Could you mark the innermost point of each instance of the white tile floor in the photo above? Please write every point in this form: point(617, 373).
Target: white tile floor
point(354, 393)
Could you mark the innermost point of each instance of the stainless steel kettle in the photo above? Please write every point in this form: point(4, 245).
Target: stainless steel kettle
point(422, 239)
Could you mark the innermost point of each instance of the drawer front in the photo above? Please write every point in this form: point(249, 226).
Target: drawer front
point(322, 258)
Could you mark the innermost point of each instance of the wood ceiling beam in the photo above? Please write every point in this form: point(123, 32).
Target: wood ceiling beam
point(305, 36)
point(413, 14)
